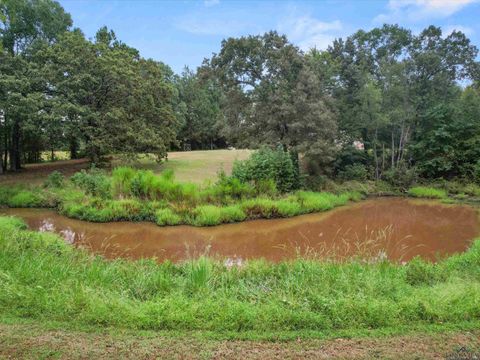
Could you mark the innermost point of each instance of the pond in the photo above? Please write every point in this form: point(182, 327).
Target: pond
point(393, 228)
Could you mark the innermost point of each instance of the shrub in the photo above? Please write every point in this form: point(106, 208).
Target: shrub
point(401, 177)
point(354, 172)
point(472, 190)
point(427, 192)
point(94, 182)
point(268, 164)
point(228, 186)
point(54, 180)
point(167, 217)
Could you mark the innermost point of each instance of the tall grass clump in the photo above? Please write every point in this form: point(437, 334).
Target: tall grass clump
point(43, 279)
point(207, 215)
point(167, 217)
point(147, 185)
point(313, 201)
point(427, 192)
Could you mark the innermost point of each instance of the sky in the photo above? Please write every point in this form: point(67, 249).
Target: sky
point(183, 33)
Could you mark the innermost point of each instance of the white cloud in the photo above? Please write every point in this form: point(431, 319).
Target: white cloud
point(308, 32)
point(209, 3)
point(447, 30)
point(415, 10)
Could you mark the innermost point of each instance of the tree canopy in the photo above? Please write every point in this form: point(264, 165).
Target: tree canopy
point(379, 103)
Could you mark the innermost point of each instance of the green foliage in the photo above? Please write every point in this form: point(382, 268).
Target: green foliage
point(207, 215)
point(420, 272)
point(267, 165)
point(54, 180)
point(312, 201)
point(229, 186)
point(44, 279)
point(93, 182)
point(167, 217)
point(354, 172)
point(401, 177)
point(122, 179)
point(21, 197)
point(427, 192)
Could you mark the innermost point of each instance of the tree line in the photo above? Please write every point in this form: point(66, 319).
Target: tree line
point(380, 104)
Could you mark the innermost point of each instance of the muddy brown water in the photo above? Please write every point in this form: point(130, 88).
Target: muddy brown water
point(393, 228)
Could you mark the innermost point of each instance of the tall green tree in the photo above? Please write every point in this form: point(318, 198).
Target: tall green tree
point(271, 97)
point(25, 26)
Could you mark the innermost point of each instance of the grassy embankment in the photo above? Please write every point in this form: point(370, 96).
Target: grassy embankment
point(137, 195)
point(43, 279)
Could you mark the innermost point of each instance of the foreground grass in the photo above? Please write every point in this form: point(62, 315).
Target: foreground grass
point(41, 278)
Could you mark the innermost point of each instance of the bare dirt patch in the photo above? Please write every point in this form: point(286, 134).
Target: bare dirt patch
point(32, 342)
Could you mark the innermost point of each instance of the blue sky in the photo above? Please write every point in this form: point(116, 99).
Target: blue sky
point(183, 33)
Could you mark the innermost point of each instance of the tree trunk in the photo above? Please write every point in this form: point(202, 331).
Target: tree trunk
point(73, 149)
point(15, 154)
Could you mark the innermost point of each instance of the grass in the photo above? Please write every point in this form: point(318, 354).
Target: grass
point(196, 166)
point(427, 192)
point(23, 339)
point(44, 279)
point(189, 166)
point(141, 195)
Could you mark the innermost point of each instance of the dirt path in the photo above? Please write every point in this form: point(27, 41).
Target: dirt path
point(32, 342)
point(37, 173)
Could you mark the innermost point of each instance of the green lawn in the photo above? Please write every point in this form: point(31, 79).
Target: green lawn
point(197, 166)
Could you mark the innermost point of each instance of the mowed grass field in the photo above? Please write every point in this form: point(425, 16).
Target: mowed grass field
point(194, 166)
point(197, 166)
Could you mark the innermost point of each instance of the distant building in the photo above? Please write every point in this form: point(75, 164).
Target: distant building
point(358, 145)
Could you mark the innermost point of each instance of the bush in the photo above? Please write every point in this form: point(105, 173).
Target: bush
point(427, 192)
point(401, 177)
point(54, 180)
point(228, 186)
point(267, 164)
point(94, 182)
point(354, 172)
